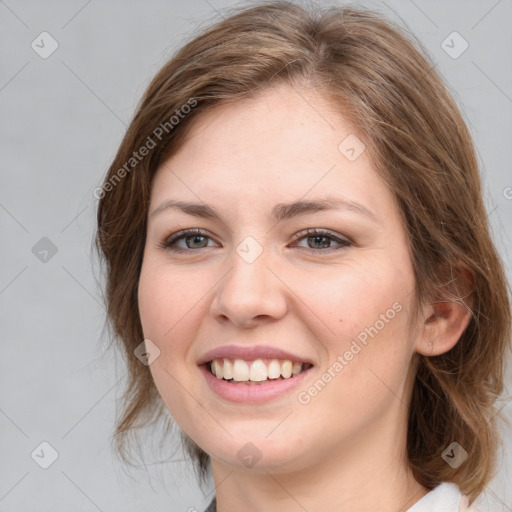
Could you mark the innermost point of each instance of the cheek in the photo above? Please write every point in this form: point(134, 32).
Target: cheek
point(153, 298)
point(366, 308)
point(172, 306)
point(353, 296)
point(167, 297)
point(167, 305)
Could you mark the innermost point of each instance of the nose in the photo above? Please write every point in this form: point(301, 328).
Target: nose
point(250, 294)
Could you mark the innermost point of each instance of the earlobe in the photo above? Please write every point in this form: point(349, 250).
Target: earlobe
point(446, 320)
point(444, 325)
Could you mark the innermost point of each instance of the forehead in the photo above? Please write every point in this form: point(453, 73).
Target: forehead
point(279, 145)
point(277, 123)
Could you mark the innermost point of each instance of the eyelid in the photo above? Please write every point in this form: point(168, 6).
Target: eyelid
point(343, 241)
point(183, 233)
point(322, 232)
point(167, 243)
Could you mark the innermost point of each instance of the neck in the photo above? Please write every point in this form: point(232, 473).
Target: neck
point(365, 474)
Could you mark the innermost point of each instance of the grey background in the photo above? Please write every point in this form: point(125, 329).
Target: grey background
point(62, 119)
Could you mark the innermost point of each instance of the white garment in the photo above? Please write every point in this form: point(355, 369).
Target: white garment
point(446, 497)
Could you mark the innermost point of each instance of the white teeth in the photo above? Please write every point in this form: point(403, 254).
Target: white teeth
point(258, 371)
point(274, 369)
point(239, 370)
point(286, 369)
point(217, 369)
point(227, 369)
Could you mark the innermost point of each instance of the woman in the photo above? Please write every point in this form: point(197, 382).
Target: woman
point(300, 271)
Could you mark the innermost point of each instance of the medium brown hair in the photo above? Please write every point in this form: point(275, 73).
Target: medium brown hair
point(380, 80)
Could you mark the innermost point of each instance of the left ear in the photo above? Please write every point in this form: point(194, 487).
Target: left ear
point(446, 320)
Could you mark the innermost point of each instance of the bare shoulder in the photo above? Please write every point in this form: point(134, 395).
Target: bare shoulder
point(465, 507)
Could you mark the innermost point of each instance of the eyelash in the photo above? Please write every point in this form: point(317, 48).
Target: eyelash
point(168, 243)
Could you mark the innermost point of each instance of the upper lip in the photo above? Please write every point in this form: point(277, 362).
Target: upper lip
point(250, 353)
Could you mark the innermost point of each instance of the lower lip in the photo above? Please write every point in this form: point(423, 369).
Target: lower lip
point(251, 393)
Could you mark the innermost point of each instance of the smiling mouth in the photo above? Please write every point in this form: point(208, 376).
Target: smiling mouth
point(257, 372)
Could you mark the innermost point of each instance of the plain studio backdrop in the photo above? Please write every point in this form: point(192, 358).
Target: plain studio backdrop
point(71, 75)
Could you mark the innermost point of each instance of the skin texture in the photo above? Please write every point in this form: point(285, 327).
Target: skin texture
point(345, 448)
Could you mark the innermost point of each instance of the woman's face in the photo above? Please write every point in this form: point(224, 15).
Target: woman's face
point(254, 280)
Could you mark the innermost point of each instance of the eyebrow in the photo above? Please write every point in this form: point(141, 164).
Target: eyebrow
point(280, 212)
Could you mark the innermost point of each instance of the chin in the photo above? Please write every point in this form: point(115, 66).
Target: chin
point(259, 455)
